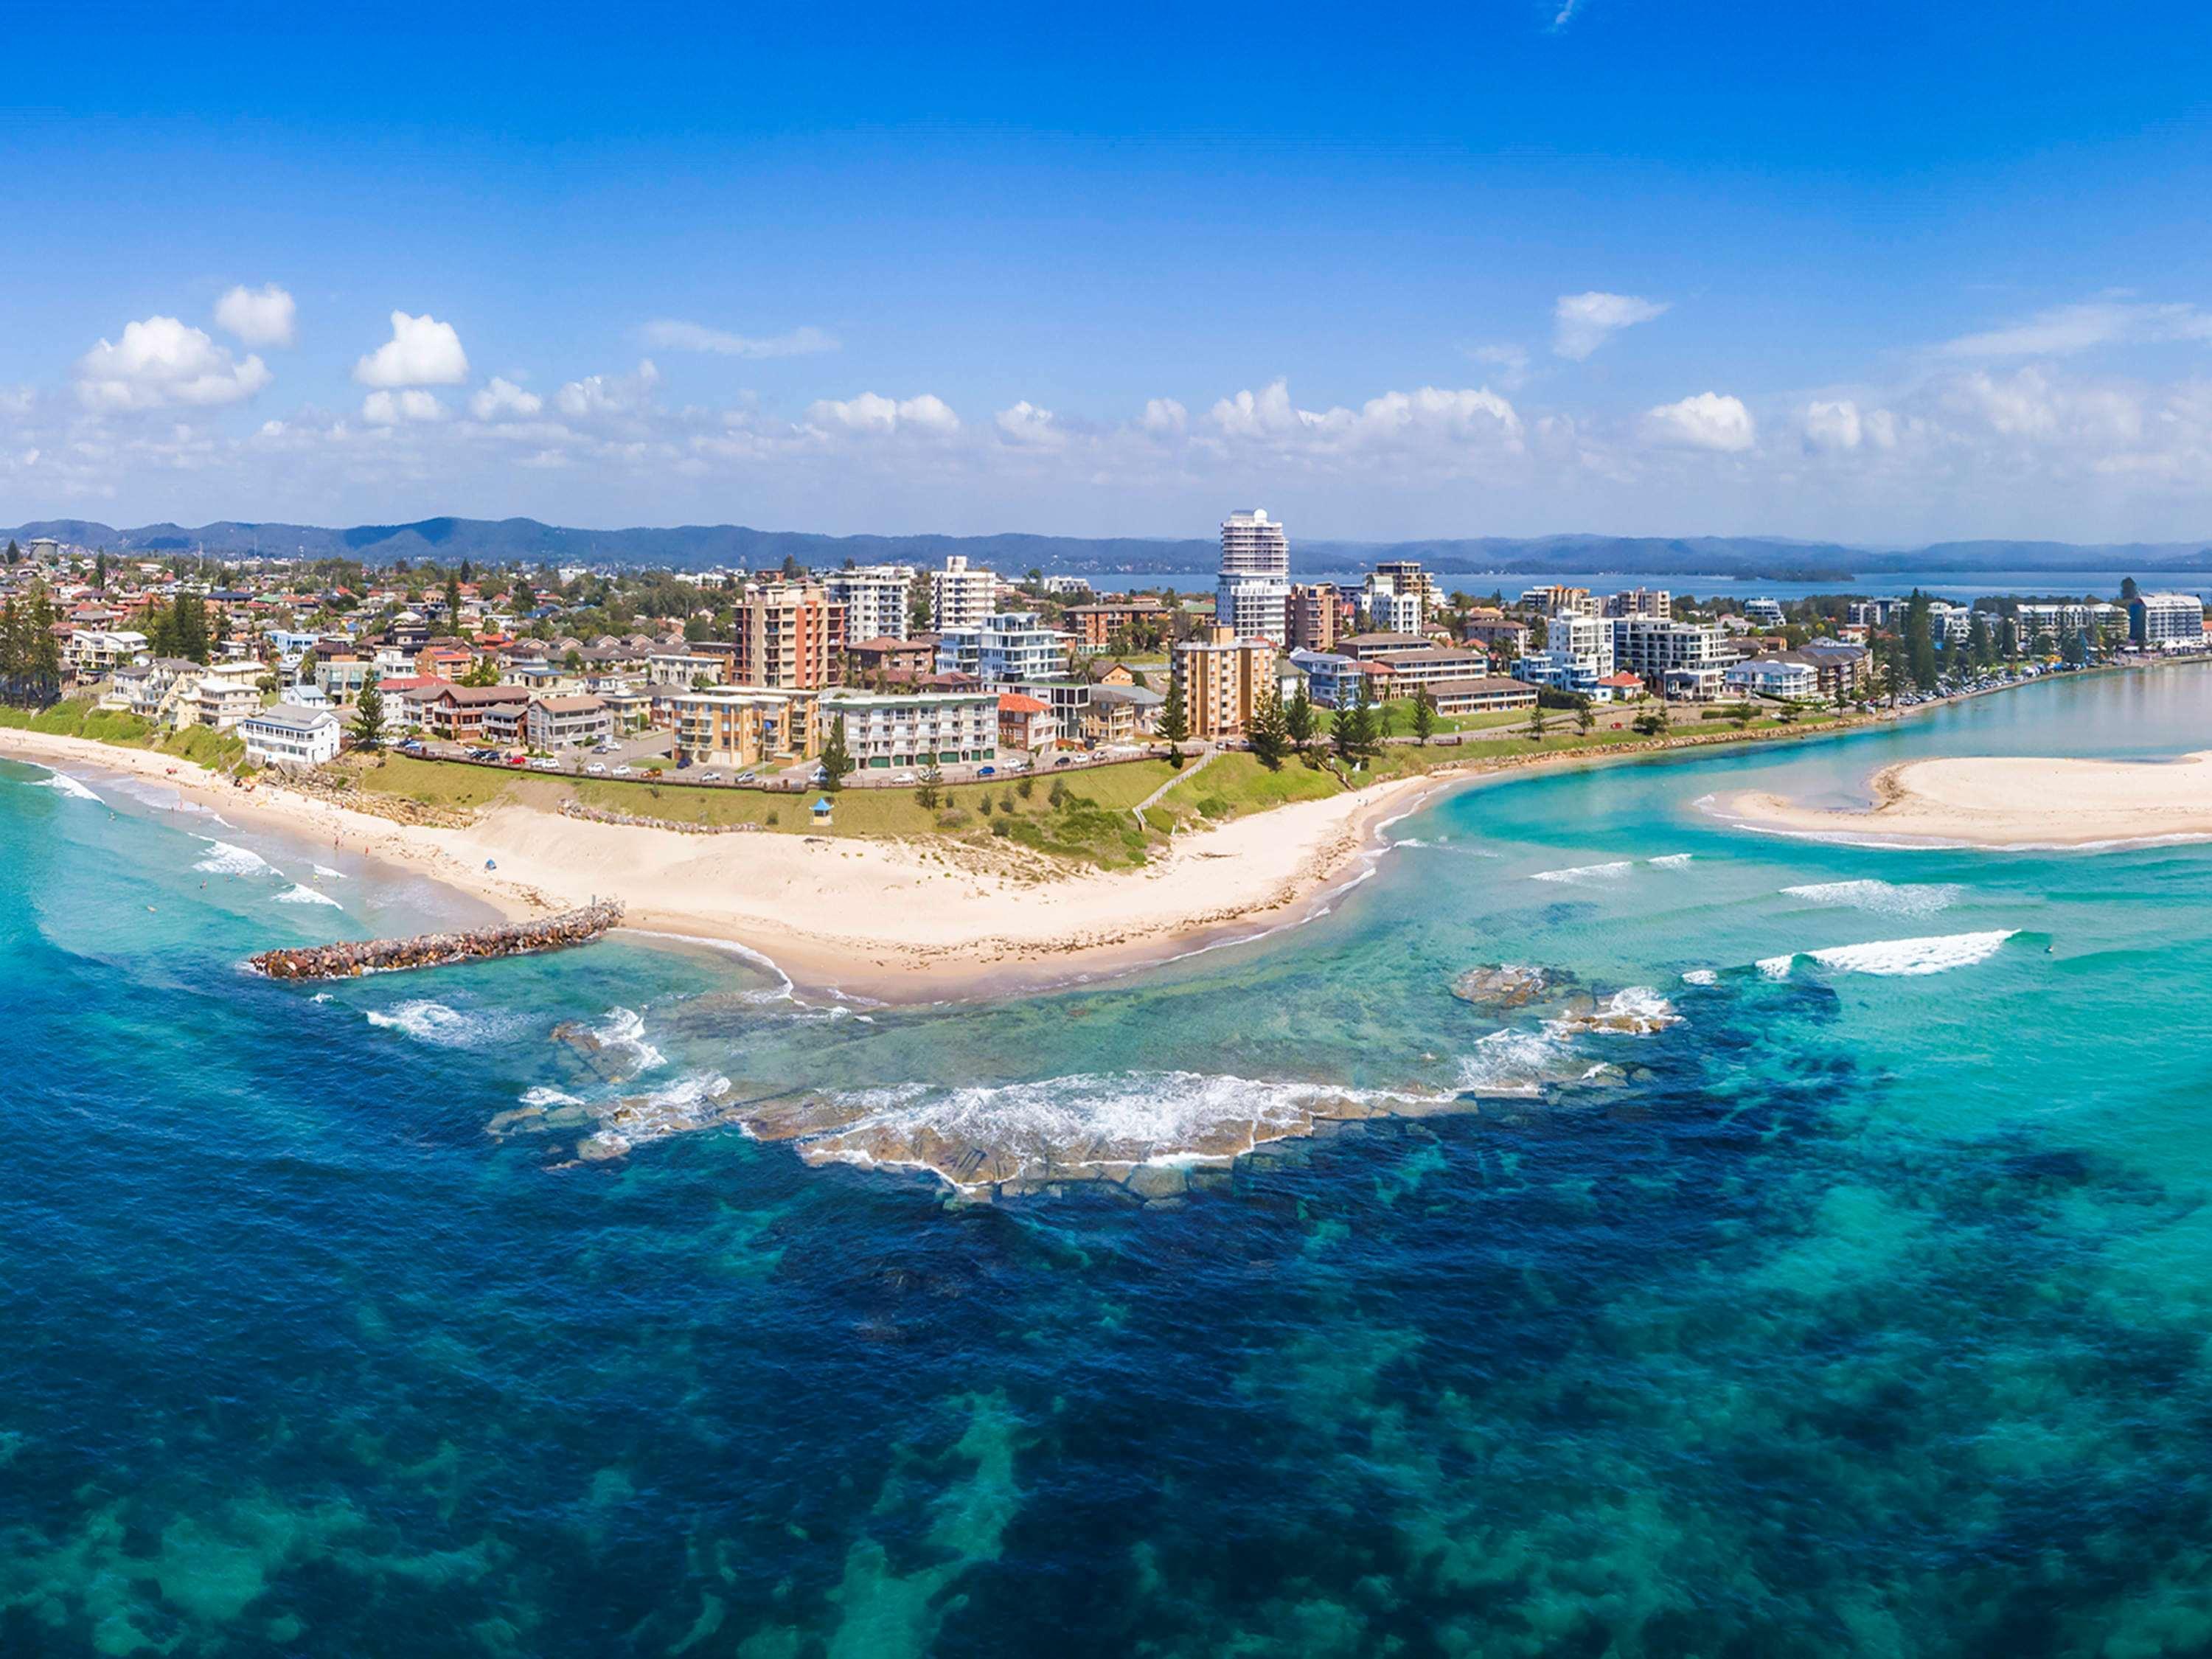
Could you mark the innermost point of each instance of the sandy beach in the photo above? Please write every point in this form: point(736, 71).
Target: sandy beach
point(1991, 801)
point(892, 920)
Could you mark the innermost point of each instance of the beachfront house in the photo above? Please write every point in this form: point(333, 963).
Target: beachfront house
point(1772, 676)
point(225, 694)
point(743, 726)
point(288, 735)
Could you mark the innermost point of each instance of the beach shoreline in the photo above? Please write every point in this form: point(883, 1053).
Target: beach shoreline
point(889, 920)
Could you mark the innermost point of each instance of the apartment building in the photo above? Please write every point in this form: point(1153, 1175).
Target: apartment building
point(875, 598)
point(1651, 647)
point(1096, 625)
point(567, 722)
point(960, 596)
point(1005, 650)
point(917, 728)
point(787, 636)
point(1313, 616)
point(1252, 594)
point(1640, 602)
point(1553, 598)
point(226, 695)
point(1223, 677)
point(2166, 622)
point(742, 726)
point(1577, 656)
point(1397, 597)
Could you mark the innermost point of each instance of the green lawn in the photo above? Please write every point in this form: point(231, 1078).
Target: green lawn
point(1092, 823)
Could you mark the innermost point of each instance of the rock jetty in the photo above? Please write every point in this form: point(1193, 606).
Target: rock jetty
point(351, 958)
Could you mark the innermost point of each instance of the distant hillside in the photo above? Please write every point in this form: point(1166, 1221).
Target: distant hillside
point(506, 541)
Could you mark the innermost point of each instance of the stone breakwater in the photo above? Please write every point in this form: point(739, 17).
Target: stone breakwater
point(573, 809)
point(351, 958)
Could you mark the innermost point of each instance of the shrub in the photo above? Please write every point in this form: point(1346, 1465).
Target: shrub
point(1212, 806)
point(952, 818)
point(1002, 829)
point(1007, 801)
point(773, 819)
point(1026, 788)
point(985, 804)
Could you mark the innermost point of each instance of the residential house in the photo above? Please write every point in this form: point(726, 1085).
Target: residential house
point(288, 735)
point(1026, 723)
point(567, 722)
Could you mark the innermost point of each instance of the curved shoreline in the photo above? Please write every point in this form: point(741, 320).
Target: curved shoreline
point(900, 921)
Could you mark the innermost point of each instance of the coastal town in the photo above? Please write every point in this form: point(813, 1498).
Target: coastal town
point(898, 675)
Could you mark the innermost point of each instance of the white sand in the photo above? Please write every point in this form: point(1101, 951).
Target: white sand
point(884, 918)
point(1990, 801)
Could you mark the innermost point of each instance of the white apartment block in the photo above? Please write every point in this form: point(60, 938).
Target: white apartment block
point(1767, 613)
point(918, 729)
point(1007, 649)
point(959, 597)
point(1253, 544)
point(875, 599)
point(1651, 647)
point(227, 694)
point(2163, 622)
point(1256, 607)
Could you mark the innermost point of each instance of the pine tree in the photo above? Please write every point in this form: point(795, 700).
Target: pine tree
point(1298, 719)
point(1266, 733)
point(1175, 718)
point(1537, 719)
point(836, 760)
point(189, 620)
point(453, 599)
point(1585, 718)
point(1424, 716)
point(369, 716)
point(1919, 643)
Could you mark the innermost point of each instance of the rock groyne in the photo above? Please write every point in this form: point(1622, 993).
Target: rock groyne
point(349, 958)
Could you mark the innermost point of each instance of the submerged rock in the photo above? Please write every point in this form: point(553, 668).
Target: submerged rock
point(1507, 985)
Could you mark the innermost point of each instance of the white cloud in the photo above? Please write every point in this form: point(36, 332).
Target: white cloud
point(602, 397)
point(1580, 323)
point(1030, 427)
point(421, 351)
point(1707, 421)
point(161, 363)
point(503, 399)
point(1463, 421)
point(2062, 331)
point(1512, 362)
point(1833, 425)
point(392, 408)
point(1565, 15)
point(260, 317)
point(926, 415)
point(1164, 418)
point(667, 334)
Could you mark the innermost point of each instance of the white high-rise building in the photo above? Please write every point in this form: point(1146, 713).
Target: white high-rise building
point(1254, 598)
point(959, 597)
point(875, 599)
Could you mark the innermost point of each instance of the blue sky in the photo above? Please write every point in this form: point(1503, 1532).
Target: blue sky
point(1880, 272)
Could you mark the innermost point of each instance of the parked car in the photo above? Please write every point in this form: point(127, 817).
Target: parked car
point(710, 777)
point(987, 771)
point(748, 777)
point(622, 771)
point(596, 769)
point(1065, 760)
point(542, 764)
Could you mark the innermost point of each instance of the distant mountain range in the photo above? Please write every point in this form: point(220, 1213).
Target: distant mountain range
point(690, 547)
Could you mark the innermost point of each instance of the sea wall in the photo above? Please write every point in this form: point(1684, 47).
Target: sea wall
point(576, 809)
point(349, 958)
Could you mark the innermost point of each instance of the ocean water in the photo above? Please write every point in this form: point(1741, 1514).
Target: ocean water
point(1856, 1305)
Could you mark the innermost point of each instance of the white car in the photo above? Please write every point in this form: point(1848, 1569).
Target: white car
point(542, 764)
point(903, 777)
point(622, 771)
point(596, 769)
point(710, 777)
point(748, 777)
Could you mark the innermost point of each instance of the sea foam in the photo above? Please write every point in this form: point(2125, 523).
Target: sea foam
point(299, 895)
point(1582, 875)
point(436, 1023)
point(1881, 898)
point(624, 1032)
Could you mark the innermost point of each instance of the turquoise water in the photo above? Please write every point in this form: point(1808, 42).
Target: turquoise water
point(1863, 1310)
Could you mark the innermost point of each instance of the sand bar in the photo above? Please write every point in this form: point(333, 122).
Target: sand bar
point(2009, 801)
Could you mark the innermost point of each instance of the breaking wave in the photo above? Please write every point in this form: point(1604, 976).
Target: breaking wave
point(1672, 861)
point(435, 1023)
point(63, 784)
point(545, 1097)
point(1899, 957)
point(1513, 1062)
point(1701, 976)
point(224, 859)
point(328, 874)
point(1583, 873)
point(300, 895)
point(1882, 897)
point(624, 1032)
